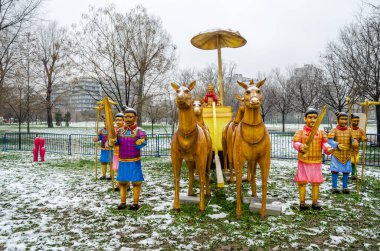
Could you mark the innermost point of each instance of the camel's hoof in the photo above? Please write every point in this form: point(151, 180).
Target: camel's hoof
point(201, 211)
point(238, 216)
point(177, 210)
point(208, 196)
point(264, 217)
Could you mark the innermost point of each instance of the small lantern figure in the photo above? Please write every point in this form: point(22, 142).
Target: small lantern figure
point(39, 147)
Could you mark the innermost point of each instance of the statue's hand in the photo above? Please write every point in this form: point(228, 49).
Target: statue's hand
point(355, 144)
point(329, 150)
point(111, 142)
point(304, 148)
point(342, 147)
point(365, 139)
point(139, 142)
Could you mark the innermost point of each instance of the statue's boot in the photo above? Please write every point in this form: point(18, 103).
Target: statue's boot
point(302, 192)
point(104, 171)
point(123, 196)
point(314, 196)
point(111, 172)
point(136, 195)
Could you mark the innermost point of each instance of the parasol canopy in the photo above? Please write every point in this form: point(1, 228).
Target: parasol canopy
point(208, 40)
point(217, 39)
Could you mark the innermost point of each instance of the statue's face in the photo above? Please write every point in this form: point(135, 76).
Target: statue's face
point(252, 97)
point(119, 122)
point(129, 119)
point(355, 122)
point(342, 121)
point(183, 97)
point(310, 119)
point(197, 108)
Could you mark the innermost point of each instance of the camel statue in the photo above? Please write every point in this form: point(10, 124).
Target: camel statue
point(189, 143)
point(252, 143)
point(227, 142)
point(198, 112)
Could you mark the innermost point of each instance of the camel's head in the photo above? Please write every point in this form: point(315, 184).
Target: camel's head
point(252, 95)
point(198, 108)
point(183, 97)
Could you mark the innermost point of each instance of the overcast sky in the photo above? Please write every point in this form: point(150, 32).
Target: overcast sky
point(279, 33)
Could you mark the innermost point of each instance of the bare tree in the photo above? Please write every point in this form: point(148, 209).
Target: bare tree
point(53, 50)
point(306, 83)
point(154, 110)
point(335, 89)
point(152, 51)
point(267, 104)
point(15, 15)
point(128, 54)
point(104, 55)
point(283, 92)
point(358, 51)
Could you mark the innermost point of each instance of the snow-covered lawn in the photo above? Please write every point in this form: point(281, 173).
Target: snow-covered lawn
point(59, 206)
point(89, 128)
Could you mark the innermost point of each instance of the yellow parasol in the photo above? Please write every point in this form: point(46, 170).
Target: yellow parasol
point(217, 39)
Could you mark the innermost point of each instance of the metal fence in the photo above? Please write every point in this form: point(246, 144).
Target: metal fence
point(158, 145)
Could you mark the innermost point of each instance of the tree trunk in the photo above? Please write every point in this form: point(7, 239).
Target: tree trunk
point(378, 124)
point(19, 134)
point(283, 121)
point(49, 107)
point(140, 99)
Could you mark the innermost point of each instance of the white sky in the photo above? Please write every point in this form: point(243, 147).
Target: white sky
point(279, 33)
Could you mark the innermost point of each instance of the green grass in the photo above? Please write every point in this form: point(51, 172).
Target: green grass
point(355, 212)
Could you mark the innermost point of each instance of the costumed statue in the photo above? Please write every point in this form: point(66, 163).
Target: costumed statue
point(310, 157)
point(211, 96)
point(343, 142)
point(106, 153)
point(360, 136)
point(130, 140)
point(119, 119)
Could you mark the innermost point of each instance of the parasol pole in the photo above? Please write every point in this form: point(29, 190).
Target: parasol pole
point(220, 78)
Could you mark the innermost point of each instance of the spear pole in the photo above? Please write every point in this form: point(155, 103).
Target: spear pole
point(98, 108)
point(365, 144)
point(352, 152)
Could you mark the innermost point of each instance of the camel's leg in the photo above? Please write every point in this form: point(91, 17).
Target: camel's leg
point(190, 168)
point(230, 162)
point(176, 162)
point(224, 145)
point(249, 173)
point(201, 166)
point(208, 167)
point(238, 165)
point(264, 163)
point(252, 165)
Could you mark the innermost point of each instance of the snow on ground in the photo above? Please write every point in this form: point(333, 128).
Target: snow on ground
point(88, 127)
point(59, 206)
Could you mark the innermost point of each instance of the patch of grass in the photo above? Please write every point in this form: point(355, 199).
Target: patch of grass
point(9, 157)
point(343, 215)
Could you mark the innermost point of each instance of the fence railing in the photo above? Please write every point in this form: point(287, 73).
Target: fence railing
point(158, 145)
